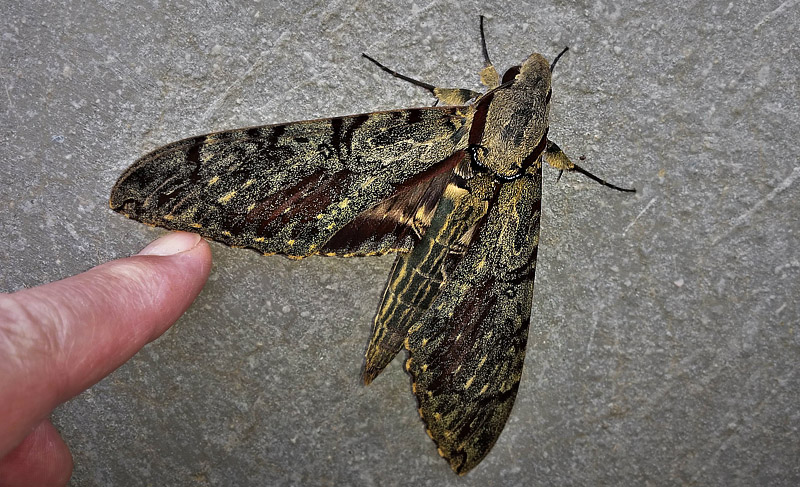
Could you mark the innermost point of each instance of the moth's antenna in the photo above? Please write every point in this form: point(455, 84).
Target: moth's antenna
point(591, 176)
point(394, 73)
point(556, 158)
point(486, 60)
point(553, 64)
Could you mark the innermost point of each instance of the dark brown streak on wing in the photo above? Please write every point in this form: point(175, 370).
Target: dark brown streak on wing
point(394, 221)
point(537, 152)
point(479, 119)
point(343, 143)
point(510, 74)
point(462, 337)
point(469, 314)
point(305, 199)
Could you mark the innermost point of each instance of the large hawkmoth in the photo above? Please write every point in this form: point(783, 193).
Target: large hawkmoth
point(454, 189)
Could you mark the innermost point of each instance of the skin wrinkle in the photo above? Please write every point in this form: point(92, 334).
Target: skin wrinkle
point(14, 339)
point(41, 459)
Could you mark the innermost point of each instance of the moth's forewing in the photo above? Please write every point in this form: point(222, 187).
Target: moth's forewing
point(290, 188)
point(467, 351)
point(418, 275)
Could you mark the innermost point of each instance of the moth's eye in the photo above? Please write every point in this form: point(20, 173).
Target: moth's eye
point(510, 74)
point(474, 163)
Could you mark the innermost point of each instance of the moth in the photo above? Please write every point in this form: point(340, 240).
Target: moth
point(454, 189)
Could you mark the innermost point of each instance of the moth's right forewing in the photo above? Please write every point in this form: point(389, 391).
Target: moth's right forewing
point(467, 351)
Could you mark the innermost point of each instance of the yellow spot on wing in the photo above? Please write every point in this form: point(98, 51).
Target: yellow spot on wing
point(227, 197)
point(213, 180)
point(483, 389)
point(290, 242)
point(195, 225)
point(469, 382)
point(344, 203)
point(483, 361)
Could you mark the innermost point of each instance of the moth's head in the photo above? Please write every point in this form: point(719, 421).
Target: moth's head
point(534, 73)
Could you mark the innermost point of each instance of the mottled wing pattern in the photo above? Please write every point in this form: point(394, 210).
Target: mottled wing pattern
point(397, 222)
point(466, 353)
point(418, 275)
point(301, 188)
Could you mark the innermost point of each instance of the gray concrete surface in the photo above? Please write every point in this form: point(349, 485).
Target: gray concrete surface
point(665, 335)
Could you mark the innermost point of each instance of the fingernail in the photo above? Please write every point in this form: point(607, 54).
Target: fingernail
point(172, 244)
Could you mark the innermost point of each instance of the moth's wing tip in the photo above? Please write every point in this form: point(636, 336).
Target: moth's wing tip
point(372, 369)
point(368, 375)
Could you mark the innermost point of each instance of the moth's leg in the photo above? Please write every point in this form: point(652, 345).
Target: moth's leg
point(447, 96)
point(556, 158)
point(489, 76)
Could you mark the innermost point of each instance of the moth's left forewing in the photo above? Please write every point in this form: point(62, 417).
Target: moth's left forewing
point(291, 188)
point(466, 353)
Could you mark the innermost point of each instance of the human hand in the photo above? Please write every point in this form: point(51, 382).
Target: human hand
point(58, 339)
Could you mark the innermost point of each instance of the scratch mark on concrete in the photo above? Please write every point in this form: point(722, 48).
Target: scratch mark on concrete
point(11, 109)
point(775, 13)
point(213, 106)
point(646, 207)
point(274, 101)
point(744, 217)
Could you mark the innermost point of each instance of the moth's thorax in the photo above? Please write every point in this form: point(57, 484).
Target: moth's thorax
point(516, 119)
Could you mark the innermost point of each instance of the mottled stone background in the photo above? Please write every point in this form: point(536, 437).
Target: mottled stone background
point(664, 342)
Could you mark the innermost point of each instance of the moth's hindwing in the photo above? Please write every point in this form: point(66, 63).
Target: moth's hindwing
point(353, 185)
point(467, 351)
